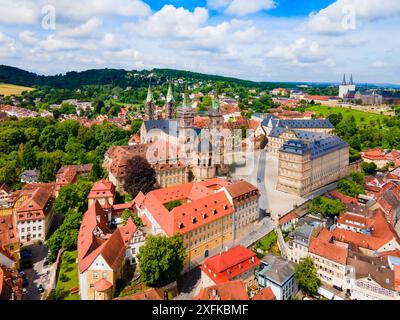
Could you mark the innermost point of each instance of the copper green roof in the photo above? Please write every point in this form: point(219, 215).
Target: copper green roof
point(215, 105)
point(149, 94)
point(170, 94)
point(186, 100)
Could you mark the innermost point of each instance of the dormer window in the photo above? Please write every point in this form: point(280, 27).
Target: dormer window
point(214, 211)
point(225, 207)
point(204, 215)
point(194, 220)
point(181, 225)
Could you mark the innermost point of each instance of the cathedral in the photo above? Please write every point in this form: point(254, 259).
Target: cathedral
point(201, 150)
point(347, 90)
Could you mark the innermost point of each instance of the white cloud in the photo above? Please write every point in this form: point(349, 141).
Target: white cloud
point(379, 64)
point(56, 43)
point(28, 37)
point(30, 12)
point(300, 52)
point(172, 22)
point(241, 7)
point(84, 29)
point(348, 15)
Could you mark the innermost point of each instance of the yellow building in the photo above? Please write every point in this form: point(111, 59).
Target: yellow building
point(9, 241)
point(199, 211)
point(311, 163)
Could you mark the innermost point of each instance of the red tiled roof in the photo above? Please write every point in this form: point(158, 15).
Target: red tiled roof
point(151, 294)
point(231, 290)
point(264, 294)
point(382, 233)
point(102, 189)
point(321, 246)
point(102, 285)
point(343, 198)
point(289, 217)
point(229, 264)
point(397, 278)
point(8, 231)
point(37, 205)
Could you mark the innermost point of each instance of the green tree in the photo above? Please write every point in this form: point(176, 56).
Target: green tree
point(326, 206)
point(369, 168)
point(161, 259)
point(28, 157)
point(306, 276)
point(135, 126)
point(350, 188)
point(126, 214)
point(73, 196)
point(138, 221)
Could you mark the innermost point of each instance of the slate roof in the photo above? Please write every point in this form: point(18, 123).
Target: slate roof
point(313, 123)
point(276, 269)
point(167, 126)
point(317, 148)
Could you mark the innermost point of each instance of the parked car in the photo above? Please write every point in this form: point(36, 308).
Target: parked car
point(46, 261)
point(40, 289)
point(25, 253)
point(22, 274)
point(27, 264)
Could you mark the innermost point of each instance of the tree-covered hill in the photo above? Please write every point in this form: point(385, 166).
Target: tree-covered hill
point(118, 77)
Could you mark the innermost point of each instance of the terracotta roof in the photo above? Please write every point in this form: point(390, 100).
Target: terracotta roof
point(37, 205)
point(200, 206)
point(381, 233)
point(229, 264)
point(214, 184)
point(10, 284)
point(102, 189)
point(231, 290)
point(6, 188)
point(397, 278)
point(323, 247)
point(102, 285)
point(242, 189)
point(289, 217)
point(8, 231)
point(264, 294)
point(151, 294)
point(379, 154)
point(343, 198)
point(355, 221)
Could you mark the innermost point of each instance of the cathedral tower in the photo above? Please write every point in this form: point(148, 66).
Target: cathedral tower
point(170, 106)
point(150, 105)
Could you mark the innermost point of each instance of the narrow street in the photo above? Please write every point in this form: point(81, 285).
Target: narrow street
point(38, 274)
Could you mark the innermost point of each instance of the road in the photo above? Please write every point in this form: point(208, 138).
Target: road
point(38, 274)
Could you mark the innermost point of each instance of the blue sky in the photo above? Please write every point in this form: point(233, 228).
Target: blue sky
point(266, 40)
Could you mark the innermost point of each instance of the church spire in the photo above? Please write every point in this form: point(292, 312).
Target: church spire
point(149, 94)
point(185, 102)
point(170, 94)
point(344, 80)
point(351, 80)
point(215, 106)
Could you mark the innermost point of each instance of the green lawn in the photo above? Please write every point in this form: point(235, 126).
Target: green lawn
point(269, 244)
point(360, 116)
point(69, 273)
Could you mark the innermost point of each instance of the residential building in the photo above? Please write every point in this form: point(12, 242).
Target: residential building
point(10, 284)
point(277, 274)
point(101, 254)
point(380, 157)
point(373, 278)
point(231, 290)
point(150, 294)
point(34, 213)
point(30, 176)
point(264, 294)
point(299, 241)
point(103, 191)
point(288, 221)
point(203, 217)
point(9, 241)
point(329, 258)
point(5, 194)
point(68, 174)
point(371, 235)
point(245, 199)
point(238, 263)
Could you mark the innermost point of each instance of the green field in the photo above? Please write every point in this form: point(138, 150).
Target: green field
point(11, 89)
point(68, 268)
point(360, 116)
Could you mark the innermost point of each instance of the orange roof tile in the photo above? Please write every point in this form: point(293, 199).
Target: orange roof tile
point(321, 246)
point(289, 217)
point(229, 264)
point(264, 294)
point(231, 290)
point(102, 189)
